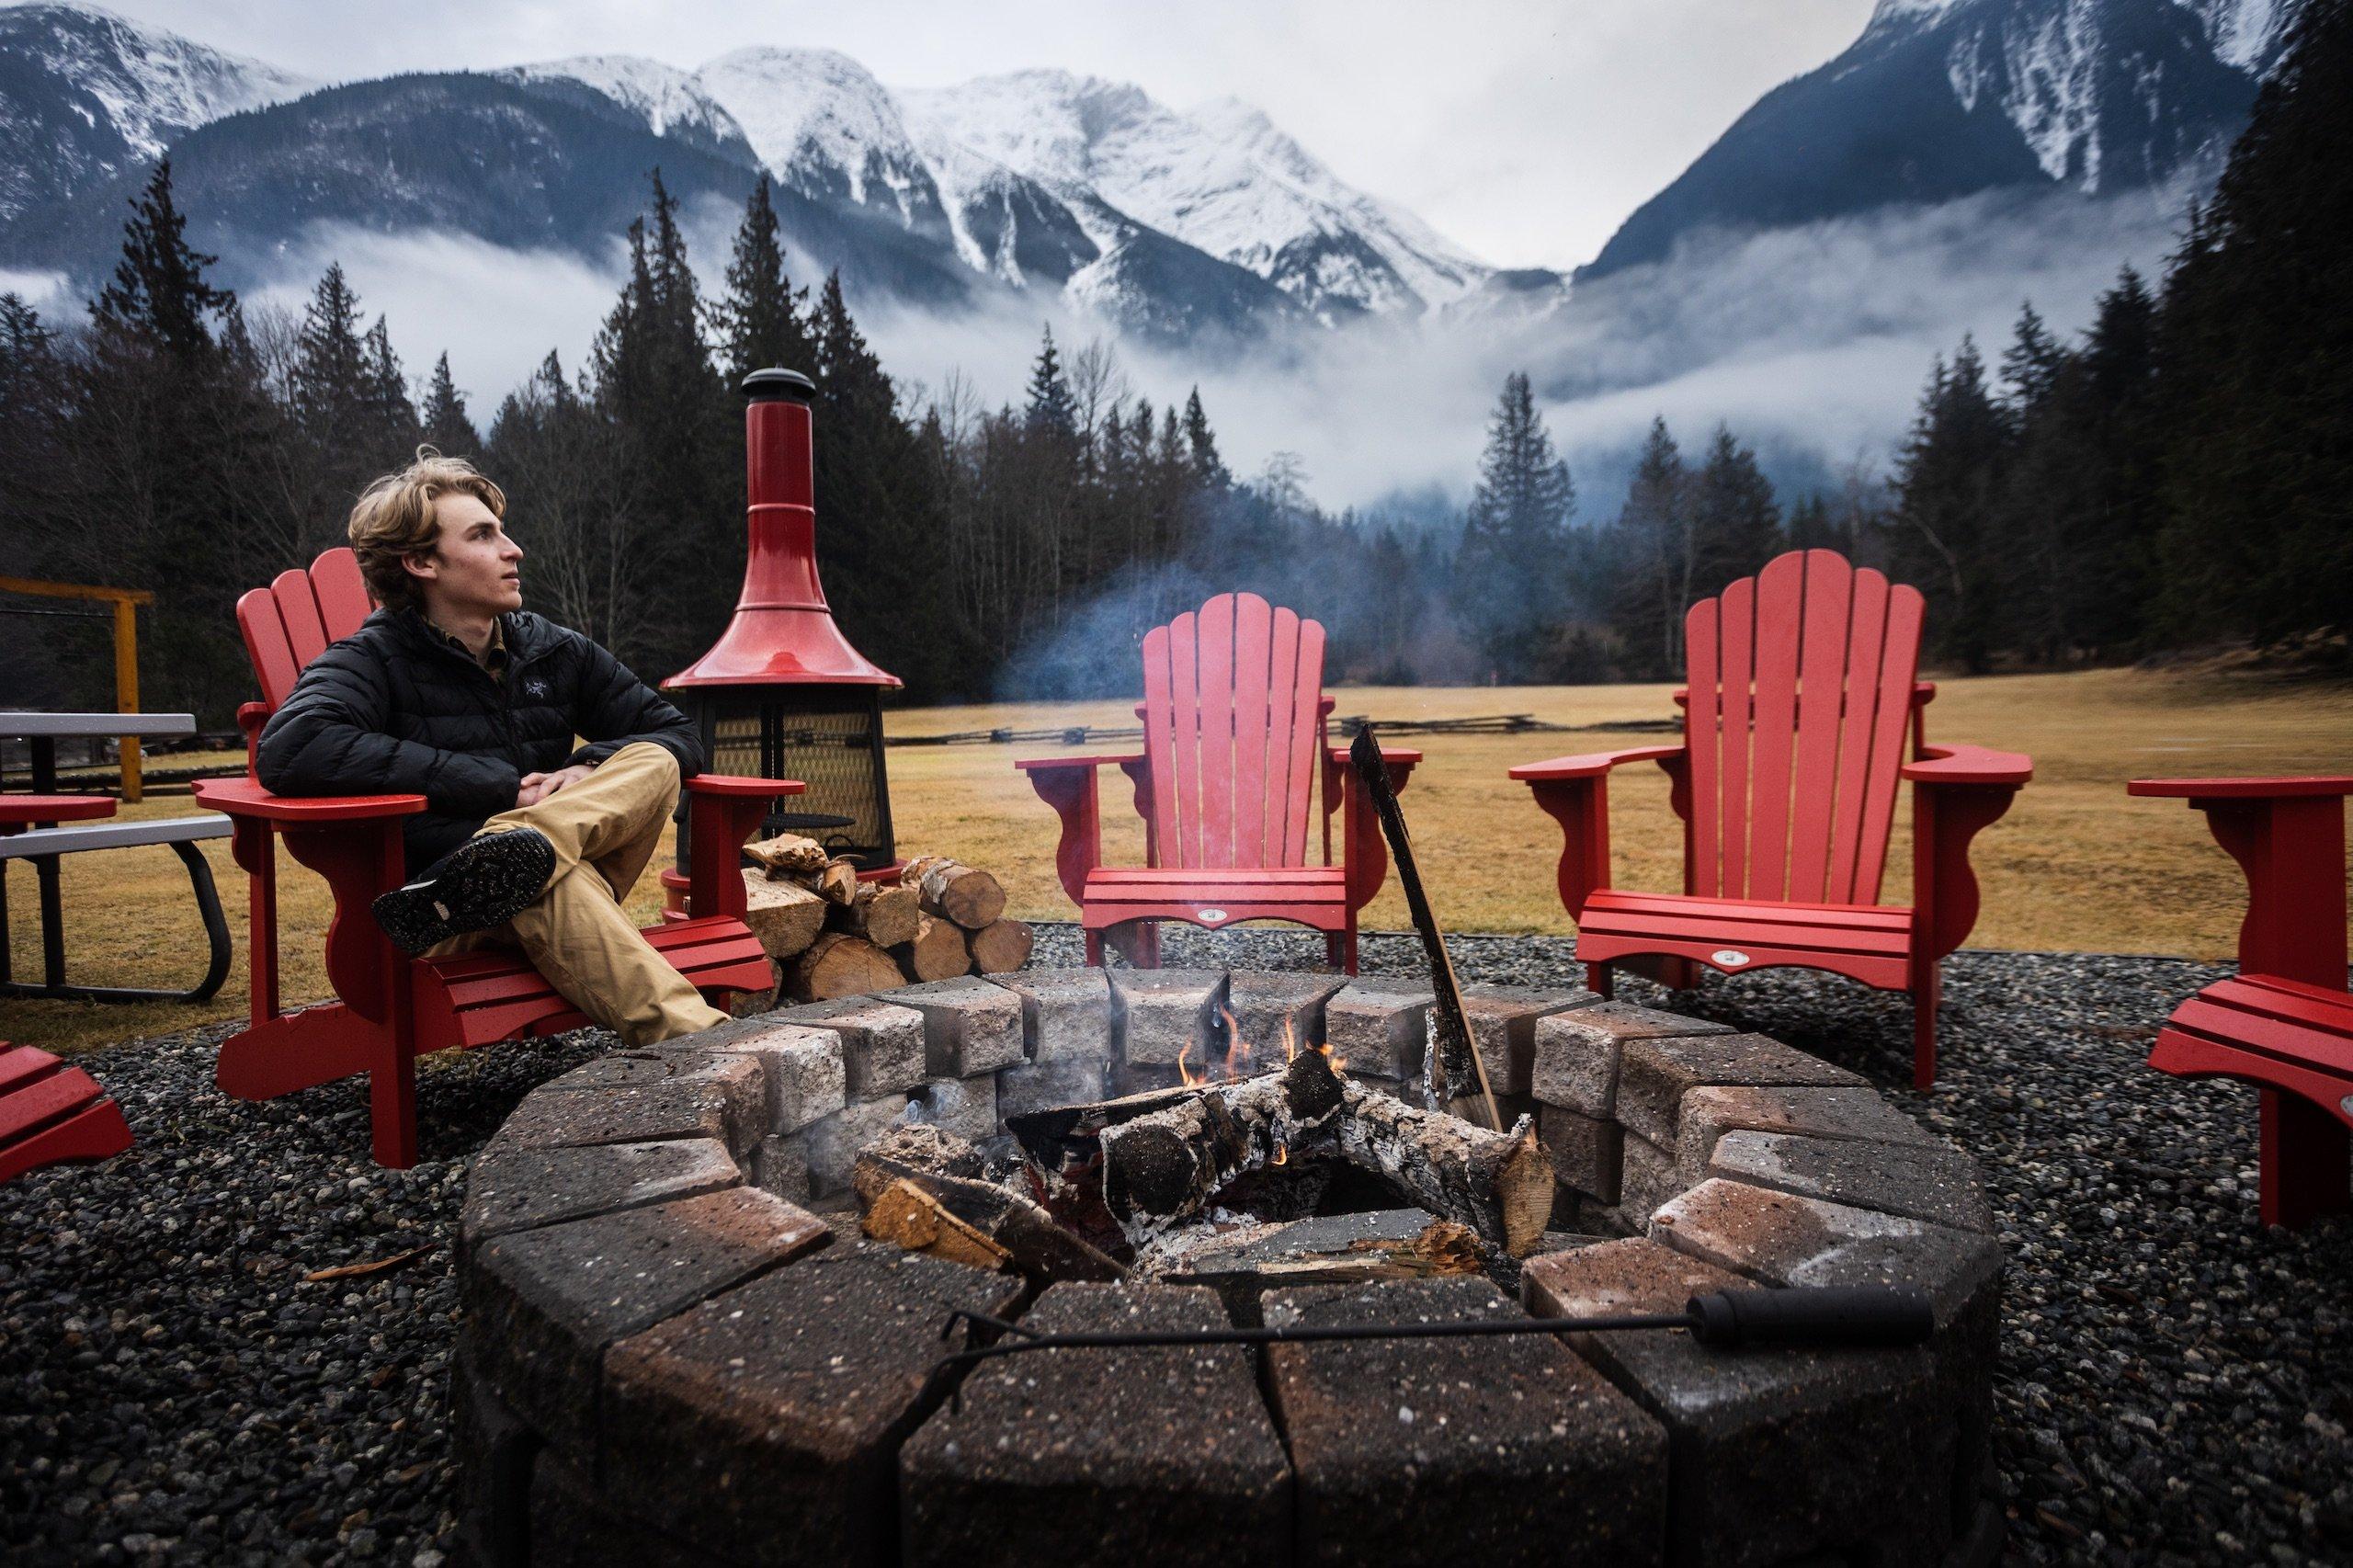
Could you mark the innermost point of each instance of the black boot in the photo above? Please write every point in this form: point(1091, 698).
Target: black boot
point(484, 882)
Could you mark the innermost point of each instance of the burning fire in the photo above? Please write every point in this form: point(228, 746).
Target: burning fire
point(1238, 1054)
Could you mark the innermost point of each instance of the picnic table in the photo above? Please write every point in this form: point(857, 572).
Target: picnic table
point(33, 827)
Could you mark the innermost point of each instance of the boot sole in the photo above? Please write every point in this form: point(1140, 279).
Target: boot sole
point(484, 882)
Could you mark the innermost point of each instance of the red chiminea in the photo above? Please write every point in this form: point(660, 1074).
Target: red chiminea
point(782, 694)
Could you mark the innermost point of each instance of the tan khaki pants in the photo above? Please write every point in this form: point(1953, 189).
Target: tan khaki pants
point(604, 829)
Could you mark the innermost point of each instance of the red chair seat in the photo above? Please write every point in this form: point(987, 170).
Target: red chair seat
point(1871, 943)
point(51, 1112)
point(480, 998)
point(23, 811)
point(1314, 896)
point(2279, 1033)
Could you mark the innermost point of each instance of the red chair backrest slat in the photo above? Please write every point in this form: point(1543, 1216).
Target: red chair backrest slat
point(291, 621)
point(1232, 714)
point(1802, 690)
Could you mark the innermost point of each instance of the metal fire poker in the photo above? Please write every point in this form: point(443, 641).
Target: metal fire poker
point(1449, 1031)
point(1831, 1316)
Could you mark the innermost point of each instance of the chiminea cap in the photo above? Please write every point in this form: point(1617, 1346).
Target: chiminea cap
point(771, 384)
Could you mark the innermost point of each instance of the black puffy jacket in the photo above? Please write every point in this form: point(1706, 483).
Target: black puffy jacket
point(397, 708)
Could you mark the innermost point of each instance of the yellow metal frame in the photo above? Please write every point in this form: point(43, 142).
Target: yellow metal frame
point(126, 651)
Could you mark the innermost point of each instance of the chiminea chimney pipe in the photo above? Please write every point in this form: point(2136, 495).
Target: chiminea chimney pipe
point(783, 632)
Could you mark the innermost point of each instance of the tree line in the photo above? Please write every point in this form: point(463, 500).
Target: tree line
point(2177, 475)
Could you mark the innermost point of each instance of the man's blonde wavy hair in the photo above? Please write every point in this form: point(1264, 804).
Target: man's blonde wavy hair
point(393, 520)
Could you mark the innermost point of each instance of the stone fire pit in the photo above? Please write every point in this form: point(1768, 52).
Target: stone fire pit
point(679, 1348)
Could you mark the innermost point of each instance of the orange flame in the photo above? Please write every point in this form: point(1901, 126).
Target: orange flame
point(1282, 1155)
point(1237, 1050)
point(1184, 1072)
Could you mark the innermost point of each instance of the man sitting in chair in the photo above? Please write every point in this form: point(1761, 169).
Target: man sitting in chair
point(453, 691)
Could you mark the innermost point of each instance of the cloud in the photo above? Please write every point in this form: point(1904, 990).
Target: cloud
point(44, 291)
point(496, 311)
point(1811, 343)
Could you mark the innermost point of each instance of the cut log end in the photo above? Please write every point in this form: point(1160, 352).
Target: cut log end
point(952, 890)
point(1000, 947)
point(937, 951)
point(785, 916)
point(837, 964)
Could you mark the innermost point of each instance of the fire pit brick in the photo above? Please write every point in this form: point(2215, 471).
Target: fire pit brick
point(513, 1188)
point(764, 1423)
point(969, 1024)
point(966, 1107)
point(1775, 1454)
point(1586, 1151)
point(1040, 1085)
point(1654, 1074)
point(801, 1068)
point(1503, 1023)
point(724, 1104)
point(1159, 1455)
point(544, 1303)
point(1163, 1014)
point(1065, 1013)
point(882, 1045)
point(1922, 1181)
point(830, 1144)
point(571, 1528)
point(1707, 1113)
point(1444, 1451)
point(1577, 1051)
point(1648, 1178)
point(1377, 1026)
point(780, 1165)
point(1786, 1240)
point(1264, 1003)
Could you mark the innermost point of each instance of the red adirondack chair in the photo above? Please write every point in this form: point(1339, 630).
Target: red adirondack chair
point(1234, 716)
point(2285, 1021)
point(393, 1008)
point(51, 1112)
point(1801, 699)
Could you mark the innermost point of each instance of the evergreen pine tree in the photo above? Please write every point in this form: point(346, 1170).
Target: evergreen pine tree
point(2031, 364)
point(1950, 475)
point(1051, 406)
point(448, 429)
point(760, 316)
point(1655, 555)
point(1510, 578)
point(159, 293)
point(392, 417)
point(1209, 469)
point(1733, 508)
point(2256, 364)
point(330, 374)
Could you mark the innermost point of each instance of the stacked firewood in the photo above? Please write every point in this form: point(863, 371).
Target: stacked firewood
point(832, 935)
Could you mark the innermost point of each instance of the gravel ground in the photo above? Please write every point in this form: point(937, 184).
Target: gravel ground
point(177, 1384)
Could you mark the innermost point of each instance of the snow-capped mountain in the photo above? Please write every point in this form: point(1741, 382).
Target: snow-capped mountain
point(1222, 179)
point(1944, 99)
point(664, 100)
point(1171, 223)
point(86, 94)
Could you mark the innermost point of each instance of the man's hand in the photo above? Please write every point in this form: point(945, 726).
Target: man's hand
point(538, 786)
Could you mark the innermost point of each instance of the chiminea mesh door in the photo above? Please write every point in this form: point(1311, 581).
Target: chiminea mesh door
point(829, 737)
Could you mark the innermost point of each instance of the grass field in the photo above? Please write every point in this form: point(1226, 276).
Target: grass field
point(2075, 866)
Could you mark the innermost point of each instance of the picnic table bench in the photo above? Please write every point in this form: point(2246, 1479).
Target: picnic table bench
point(34, 828)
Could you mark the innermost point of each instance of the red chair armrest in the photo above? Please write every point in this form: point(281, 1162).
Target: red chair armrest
point(244, 797)
point(1968, 765)
point(736, 786)
point(2240, 788)
point(1048, 764)
point(1395, 756)
point(1592, 766)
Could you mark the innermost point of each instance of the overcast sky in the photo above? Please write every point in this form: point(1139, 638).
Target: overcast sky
point(1527, 130)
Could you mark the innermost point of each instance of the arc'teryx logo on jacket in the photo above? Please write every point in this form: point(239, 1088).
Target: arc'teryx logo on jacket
point(397, 708)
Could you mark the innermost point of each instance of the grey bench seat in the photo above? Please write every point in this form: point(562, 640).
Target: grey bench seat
point(44, 845)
